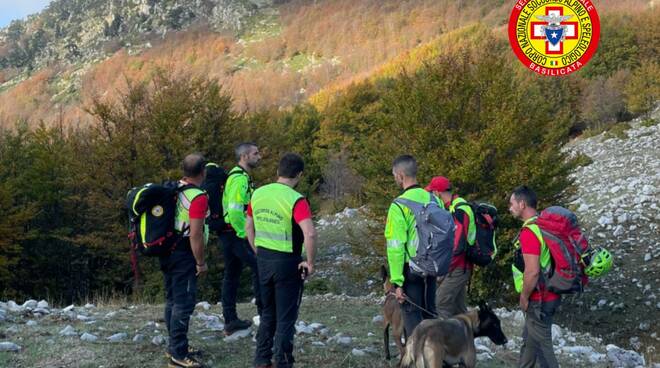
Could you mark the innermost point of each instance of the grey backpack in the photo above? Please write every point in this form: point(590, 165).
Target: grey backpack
point(435, 235)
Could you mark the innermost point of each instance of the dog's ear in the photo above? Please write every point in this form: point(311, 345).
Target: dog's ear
point(383, 272)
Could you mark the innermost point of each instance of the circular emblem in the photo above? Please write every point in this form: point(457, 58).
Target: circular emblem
point(157, 211)
point(554, 37)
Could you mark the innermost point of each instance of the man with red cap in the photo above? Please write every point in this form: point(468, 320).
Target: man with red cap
point(450, 294)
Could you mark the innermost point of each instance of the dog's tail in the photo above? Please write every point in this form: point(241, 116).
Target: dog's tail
point(408, 359)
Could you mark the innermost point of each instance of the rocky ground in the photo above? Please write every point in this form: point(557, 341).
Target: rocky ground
point(333, 331)
point(617, 199)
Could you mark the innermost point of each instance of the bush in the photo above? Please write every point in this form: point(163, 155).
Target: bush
point(642, 92)
point(649, 122)
point(582, 159)
point(618, 131)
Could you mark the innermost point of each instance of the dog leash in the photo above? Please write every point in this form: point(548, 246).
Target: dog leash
point(406, 298)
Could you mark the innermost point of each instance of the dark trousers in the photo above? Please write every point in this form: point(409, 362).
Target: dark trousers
point(281, 293)
point(237, 252)
point(537, 335)
point(180, 295)
point(421, 291)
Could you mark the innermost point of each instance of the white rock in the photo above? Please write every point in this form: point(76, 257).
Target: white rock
point(316, 326)
point(624, 358)
point(256, 320)
point(110, 315)
point(90, 306)
point(622, 219)
point(647, 257)
point(30, 304)
point(377, 319)
point(578, 350)
point(318, 343)
point(118, 337)
point(88, 337)
point(31, 323)
point(204, 305)
point(343, 340)
point(138, 338)
point(597, 358)
point(69, 308)
point(43, 311)
point(644, 326)
point(358, 352)
point(158, 340)
point(238, 335)
point(556, 332)
point(482, 348)
point(13, 307)
point(9, 346)
point(82, 317)
point(618, 231)
point(42, 304)
point(302, 328)
point(484, 356)
point(68, 331)
point(604, 220)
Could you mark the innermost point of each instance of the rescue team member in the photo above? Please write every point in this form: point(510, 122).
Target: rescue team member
point(235, 248)
point(182, 267)
point(450, 294)
point(279, 223)
point(538, 304)
point(401, 237)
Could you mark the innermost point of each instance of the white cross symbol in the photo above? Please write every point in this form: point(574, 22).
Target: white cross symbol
point(570, 31)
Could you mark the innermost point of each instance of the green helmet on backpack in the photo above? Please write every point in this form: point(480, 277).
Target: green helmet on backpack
point(601, 263)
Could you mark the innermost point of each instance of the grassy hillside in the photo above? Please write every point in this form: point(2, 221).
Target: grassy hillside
point(283, 55)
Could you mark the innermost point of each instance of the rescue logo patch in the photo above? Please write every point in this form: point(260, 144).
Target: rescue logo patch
point(157, 211)
point(554, 37)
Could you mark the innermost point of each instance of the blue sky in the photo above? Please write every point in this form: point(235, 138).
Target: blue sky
point(17, 9)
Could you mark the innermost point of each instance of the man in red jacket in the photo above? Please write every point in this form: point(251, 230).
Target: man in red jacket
point(450, 294)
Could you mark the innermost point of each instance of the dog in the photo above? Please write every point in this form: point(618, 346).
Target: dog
point(391, 317)
point(437, 343)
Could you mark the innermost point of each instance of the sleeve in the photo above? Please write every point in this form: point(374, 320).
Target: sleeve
point(237, 193)
point(249, 210)
point(301, 211)
point(529, 243)
point(464, 220)
point(396, 236)
point(199, 207)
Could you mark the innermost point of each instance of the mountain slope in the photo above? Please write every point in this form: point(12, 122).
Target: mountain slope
point(266, 53)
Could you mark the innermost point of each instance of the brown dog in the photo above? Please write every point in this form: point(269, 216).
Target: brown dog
point(436, 342)
point(391, 317)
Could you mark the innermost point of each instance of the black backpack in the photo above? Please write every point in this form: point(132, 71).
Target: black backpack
point(484, 249)
point(214, 185)
point(151, 216)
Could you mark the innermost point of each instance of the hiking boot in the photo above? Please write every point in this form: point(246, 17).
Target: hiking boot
point(186, 362)
point(192, 352)
point(236, 325)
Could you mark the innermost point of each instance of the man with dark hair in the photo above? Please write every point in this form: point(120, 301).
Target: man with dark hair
point(401, 236)
point(450, 295)
point(186, 262)
point(235, 248)
point(279, 223)
point(538, 304)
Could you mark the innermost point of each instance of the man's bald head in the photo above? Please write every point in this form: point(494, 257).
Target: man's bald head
point(193, 165)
